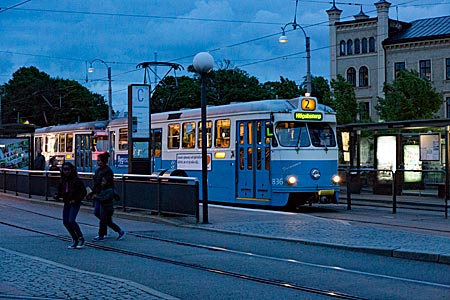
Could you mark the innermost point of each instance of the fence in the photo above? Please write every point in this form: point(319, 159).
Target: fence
point(411, 188)
point(157, 193)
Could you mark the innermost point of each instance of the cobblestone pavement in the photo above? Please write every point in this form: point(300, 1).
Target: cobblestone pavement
point(22, 277)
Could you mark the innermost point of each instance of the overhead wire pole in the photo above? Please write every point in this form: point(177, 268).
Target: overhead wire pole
point(91, 70)
point(283, 39)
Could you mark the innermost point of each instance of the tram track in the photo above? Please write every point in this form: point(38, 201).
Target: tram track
point(283, 284)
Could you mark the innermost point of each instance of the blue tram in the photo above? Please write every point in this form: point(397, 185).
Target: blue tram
point(268, 152)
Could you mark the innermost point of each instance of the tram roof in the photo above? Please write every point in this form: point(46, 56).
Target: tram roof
point(409, 124)
point(273, 105)
point(93, 125)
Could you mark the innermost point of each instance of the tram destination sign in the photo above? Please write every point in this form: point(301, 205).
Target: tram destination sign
point(309, 116)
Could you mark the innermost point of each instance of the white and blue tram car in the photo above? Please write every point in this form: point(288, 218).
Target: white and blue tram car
point(268, 152)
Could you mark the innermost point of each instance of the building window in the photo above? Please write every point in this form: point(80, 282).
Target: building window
point(425, 69)
point(363, 76)
point(349, 47)
point(342, 48)
point(447, 101)
point(357, 46)
point(372, 44)
point(398, 66)
point(351, 76)
point(364, 45)
point(447, 68)
point(364, 110)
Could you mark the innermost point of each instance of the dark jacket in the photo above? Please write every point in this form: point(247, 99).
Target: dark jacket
point(106, 197)
point(106, 172)
point(71, 190)
point(39, 162)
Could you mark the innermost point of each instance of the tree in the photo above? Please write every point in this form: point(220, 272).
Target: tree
point(408, 98)
point(343, 100)
point(34, 96)
point(321, 90)
point(176, 93)
point(284, 89)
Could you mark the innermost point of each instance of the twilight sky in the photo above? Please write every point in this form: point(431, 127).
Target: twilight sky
point(59, 37)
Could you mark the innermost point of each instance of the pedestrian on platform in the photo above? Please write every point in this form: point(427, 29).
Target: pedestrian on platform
point(103, 197)
point(39, 161)
point(72, 190)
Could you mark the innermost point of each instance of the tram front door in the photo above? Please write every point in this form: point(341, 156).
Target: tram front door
point(83, 152)
point(253, 161)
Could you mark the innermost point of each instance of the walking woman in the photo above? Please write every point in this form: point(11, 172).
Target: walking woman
point(103, 197)
point(72, 190)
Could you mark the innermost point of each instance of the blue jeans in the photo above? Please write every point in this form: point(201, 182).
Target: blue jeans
point(105, 217)
point(70, 212)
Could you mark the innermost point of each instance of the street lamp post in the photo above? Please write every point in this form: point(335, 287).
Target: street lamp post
point(91, 70)
point(283, 39)
point(203, 64)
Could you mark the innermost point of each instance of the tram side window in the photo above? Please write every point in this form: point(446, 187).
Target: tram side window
point(62, 143)
point(241, 133)
point(222, 133)
point(322, 135)
point(156, 134)
point(173, 137)
point(292, 134)
point(123, 139)
point(208, 134)
point(188, 140)
point(55, 146)
point(69, 142)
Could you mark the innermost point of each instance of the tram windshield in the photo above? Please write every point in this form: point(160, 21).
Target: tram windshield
point(299, 134)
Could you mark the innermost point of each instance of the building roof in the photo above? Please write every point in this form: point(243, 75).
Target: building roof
point(423, 29)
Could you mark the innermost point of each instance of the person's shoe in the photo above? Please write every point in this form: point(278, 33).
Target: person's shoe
point(73, 245)
point(121, 235)
point(81, 242)
point(98, 238)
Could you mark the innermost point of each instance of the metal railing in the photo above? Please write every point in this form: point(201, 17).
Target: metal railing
point(360, 180)
point(157, 193)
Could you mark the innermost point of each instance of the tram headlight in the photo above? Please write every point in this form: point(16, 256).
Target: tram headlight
point(315, 174)
point(291, 180)
point(336, 179)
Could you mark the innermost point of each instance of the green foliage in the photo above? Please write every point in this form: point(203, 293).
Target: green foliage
point(408, 98)
point(32, 95)
point(343, 100)
point(321, 90)
point(284, 89)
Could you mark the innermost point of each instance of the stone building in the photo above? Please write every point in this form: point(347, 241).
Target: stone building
point(369, 51)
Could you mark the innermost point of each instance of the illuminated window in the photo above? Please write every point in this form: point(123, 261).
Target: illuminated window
point(188, 140)
point(222, 138)
point(123, 139)
point(208, 134)
point(173, 136)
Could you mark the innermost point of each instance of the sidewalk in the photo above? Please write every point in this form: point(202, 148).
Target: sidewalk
point(358, 229)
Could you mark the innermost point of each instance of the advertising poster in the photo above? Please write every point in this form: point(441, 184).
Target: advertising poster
point(14, 153)
point(411, 158)
point(430, 147)
point(386, 156)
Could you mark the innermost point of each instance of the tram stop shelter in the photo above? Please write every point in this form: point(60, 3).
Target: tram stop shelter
point(16, 147)
point(394, 158)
